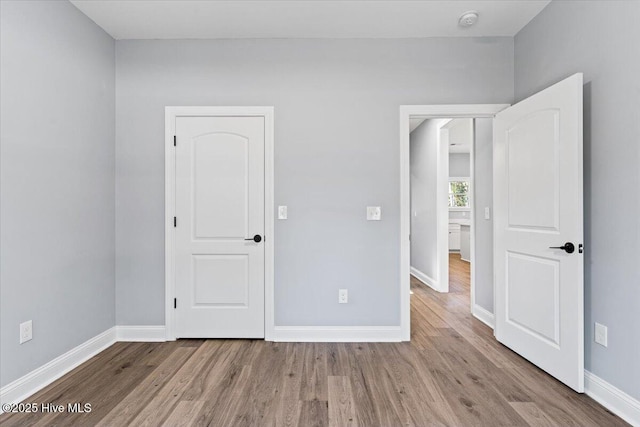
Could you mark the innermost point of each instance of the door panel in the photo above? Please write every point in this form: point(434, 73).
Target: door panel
point(532, 174)
point(538, 205)
point(221, 280)
point(220, 186)
point(219, 208)
point(532, 287)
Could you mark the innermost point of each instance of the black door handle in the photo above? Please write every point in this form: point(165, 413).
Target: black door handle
point(567, 247)
point(257, 238)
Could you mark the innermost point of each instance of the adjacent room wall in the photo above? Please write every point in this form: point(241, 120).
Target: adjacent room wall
point(423, 156)
point(336, 152)
point(57, 182)
point(459, 165)
point(483, 197)
point(602, 40)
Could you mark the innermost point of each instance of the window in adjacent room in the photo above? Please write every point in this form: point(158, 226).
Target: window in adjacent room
point(458, 194)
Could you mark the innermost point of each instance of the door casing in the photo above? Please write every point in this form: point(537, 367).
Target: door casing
point(171, 113)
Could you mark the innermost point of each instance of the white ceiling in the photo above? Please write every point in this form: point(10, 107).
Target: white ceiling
point(212, 19)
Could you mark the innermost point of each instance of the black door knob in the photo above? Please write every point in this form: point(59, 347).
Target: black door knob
point(567, 247)
point(257, 238)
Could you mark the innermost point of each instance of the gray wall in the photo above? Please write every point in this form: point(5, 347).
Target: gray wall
point(483, 197)
point(57, 182)
point(424, 186)
point(336, 151)
point(602, 40)
point(459, 165)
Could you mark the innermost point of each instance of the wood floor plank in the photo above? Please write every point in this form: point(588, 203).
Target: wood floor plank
point(141, 395)
point(162, 404)
point(314, 413)
point(367, 411)
point(314, 372)
point(221, 406)
point(184, 413)
point(288, 412)
point(260, 398)
point(472, 400)
point(390, 410)
point(337, 359)
point(341, 403)
point(532, 414)
point(453, 373)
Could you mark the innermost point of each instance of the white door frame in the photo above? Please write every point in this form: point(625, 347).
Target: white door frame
point(427, 111)
point(171, 113)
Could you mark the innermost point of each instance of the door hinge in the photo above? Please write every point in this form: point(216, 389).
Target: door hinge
point(175, 221)
point(580, 248)
point(174, 140)
point(175, 303)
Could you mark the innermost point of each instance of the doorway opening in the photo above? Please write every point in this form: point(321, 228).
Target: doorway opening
point(443, 199)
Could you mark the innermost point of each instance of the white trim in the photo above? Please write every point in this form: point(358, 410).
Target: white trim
point(483, 315)
point(426, 279)
point(442, 207)
point(426, 111)
point(612, 398)
point(337, 334)
point(141, 333)
point(472, 223)
point(170, 118)
point(27, 385)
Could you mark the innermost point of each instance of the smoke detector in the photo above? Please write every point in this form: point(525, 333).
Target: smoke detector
point(467, 19)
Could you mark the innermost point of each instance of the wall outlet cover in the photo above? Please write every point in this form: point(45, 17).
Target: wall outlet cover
point(343, 296)
point(26, 331)
point(374, 213)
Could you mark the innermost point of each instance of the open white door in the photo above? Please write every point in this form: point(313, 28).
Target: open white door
point(538, 205)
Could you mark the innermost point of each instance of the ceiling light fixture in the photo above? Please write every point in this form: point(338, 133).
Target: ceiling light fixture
point(467, 19)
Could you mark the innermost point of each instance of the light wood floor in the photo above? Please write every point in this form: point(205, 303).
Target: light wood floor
point(453, 372)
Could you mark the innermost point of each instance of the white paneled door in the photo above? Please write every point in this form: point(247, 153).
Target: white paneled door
point(219, 233)
point(539, 230)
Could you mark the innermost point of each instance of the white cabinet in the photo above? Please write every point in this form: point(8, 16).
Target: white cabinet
point(465, 242)
point(454, 237)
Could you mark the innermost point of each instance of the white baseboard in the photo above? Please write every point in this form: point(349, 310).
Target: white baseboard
point(484, 316)
point(612, 398)
point(465, 260)
point(41, 377)
point(427, 280)
point(337, 334)
point(141, 333)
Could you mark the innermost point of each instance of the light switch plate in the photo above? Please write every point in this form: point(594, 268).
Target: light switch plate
point(374, 213)
point(601, 334)
point(282, 212)
point(487, 213)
